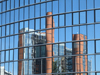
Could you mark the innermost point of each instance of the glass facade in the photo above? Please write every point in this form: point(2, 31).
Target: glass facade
point(49, 37)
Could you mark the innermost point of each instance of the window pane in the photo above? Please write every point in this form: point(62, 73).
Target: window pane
point(75, 5)
point(25, 53)
point(55, 21)
point(90, 16)
point(61, 20)
point(68, 19)
point(97, 15)
point(21, 3)
point(43, 11)
point(75, 18)
point(8, 4)
point(31, 25)
point(26, 2)
point(43, 51)
point(97, 5)
point(37, 24)
point(11, 29)
point(55, 35)
point(11, 67)
point(2, 56)
point(97, 46)
point(7, 43)
point(26, 13)
point(97, 31)
point(37, 52)
point(68, 5)
point(15, 54)
point(4, 5)
point(0, 19)
point(7, 55)
point(37, 10)
point(37, 1)
point(12, 16)
point(90, 4)
point(31, 1)
point(55, 7)
point(3, 43)
point(49, 6)
point(82, 4)
point(26, 26)
point(21, 27)
point(43, 23)
point(16, 40)
point(76, 32)
point(61, 6)
point(0, 31)
point(16, 28)
point(7, 30)
point(55, 49)
point(7, 17)
point(16, 15)
point(90, 30)
point(91, 62)
point(3, 18)
point(31, 11)
point(11, 55)
point(6, 68)
point(15, 68)
point(3, 30)
point(69, 34)
point(90, 47)
point(97, 62)
point(61, 49)
point(82, 17)
point(21, 13)
point(16, 3)
point(11, 41)
point(61, 34)
point(68, 49)
point(31, 52)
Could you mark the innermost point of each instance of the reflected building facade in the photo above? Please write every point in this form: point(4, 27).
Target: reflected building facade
point(49, 37)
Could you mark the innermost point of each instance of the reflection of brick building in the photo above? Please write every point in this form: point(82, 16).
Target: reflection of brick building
point(50, 39)
point(79, 48)
point(49, 36)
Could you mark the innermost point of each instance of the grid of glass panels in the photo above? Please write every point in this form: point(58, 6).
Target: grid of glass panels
point(49, 37)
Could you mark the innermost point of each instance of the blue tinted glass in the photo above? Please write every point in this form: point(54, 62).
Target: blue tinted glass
point(31, 25)
point(17, 15)
point(56, 35)
point(21, 3)
point(8, 4)
point(90, 16)
point(4, 5)
point(55, 21)
point(16, 3)
point(37, 1)
point(7, 42)
point(15, 54)
point(3, 56)
point(43, 7)
point(43, 23)
point(0, 7)
point(68, 19)
point(26, 13)
point(97, 31)
point(68, 34)
point(26, 2)
point(82, 4)
point(3, 43)
point(49, 6)
point(0, 31)
point(90, 4)
point(12, 16)
point(68, 5)
point(61, 20)
point(31, 1)
point(37, 10)
point(21, 27)
point(90, 30)
point(37, 24)
point(3, 18)
point(11, 29)
point(31, 11)
point(90, 47)
point(3, 30)
point(12, 4)
point(61, 34)
point(82, 17)
point(75, 5)
point(16, 28)
point(97, 16)
point(75, 18)
point(11, 42)
point(21, 14)
point(61, 6)
point(16, 39)
point(7, 55)
point(0, 19)
point(7, 30)
point(7, 17)
point(55, 7)
point(97, 5)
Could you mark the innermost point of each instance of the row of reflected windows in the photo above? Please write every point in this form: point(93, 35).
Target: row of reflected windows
point(75, 18)
point(55, 65)
point(63, 5)
point(56, 50)
point(90, 31)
